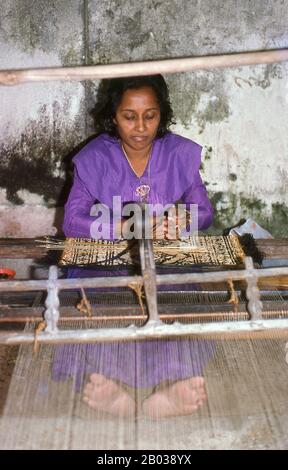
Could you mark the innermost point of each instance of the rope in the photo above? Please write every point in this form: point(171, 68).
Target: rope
point(40, 327)
point(138, 289)
point(84, 305)
point(233, 295)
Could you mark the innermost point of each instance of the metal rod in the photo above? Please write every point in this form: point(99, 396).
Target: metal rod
point(139, 317)
point(252, 291)
point(52, 302)
point(166, 66)
point(147, 264)
point(151, 330)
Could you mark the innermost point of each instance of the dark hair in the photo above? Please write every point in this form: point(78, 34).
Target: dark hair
point(110, 94)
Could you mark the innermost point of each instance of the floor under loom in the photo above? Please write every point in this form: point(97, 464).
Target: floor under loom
point(246, 383)
point(247, 406)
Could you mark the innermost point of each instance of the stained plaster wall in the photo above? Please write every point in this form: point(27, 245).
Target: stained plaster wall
point(42, 123)
point(239, 116)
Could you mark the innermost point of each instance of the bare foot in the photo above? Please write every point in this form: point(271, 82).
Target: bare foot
point(106, 395)
point(179, 399)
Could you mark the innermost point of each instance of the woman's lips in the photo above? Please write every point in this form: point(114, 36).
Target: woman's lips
point(139, 138)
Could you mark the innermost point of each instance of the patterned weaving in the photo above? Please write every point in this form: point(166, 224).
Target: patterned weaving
point(213, 250)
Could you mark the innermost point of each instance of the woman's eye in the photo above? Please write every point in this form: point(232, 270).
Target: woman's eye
point(130, 117)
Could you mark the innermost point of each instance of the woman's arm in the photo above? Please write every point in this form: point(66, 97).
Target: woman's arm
point(77, 218)
point(197, 194)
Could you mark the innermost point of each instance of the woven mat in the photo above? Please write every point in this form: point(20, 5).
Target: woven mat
point(213, 250)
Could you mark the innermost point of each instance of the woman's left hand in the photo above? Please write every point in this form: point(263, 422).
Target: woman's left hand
point(167, 228)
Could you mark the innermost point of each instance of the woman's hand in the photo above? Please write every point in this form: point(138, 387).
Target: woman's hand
point(175, 224)
point(168, 227)
point(162, 227)
point(157, 228)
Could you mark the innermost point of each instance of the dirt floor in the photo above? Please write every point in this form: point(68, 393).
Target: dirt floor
point(246, 384)
point(8, 356)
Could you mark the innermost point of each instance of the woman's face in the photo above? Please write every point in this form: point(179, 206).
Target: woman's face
point(137, 118)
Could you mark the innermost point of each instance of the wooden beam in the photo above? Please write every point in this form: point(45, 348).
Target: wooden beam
point(166, 66)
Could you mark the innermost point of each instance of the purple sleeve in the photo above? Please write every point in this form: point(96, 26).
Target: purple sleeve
point(197, 194)
point(77, 219)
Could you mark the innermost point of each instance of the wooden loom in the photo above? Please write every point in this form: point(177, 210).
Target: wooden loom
point(148, 279)
point(225, 321)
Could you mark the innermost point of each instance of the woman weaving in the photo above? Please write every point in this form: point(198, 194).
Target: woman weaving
point(135, 157)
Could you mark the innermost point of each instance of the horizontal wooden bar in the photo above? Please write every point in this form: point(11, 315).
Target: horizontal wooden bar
point(26, 286)
point(122, 281)
point(165, 66)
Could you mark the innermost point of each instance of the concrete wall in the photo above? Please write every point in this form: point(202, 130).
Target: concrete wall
point(240, 116)
point(41, 123)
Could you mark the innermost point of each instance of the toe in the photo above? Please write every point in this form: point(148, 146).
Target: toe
point(196, 382)
point(97, 379)
point(88, 388)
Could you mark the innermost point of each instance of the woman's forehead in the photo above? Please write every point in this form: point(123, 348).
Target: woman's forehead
point(139, 97)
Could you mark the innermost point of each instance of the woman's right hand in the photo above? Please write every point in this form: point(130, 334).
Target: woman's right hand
point(161, 228)
point(158, 228)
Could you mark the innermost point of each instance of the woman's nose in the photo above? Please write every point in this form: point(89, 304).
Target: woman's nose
point(140, 124)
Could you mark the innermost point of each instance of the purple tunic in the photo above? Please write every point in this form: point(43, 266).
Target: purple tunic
point(101, 172)
point(139, 364)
